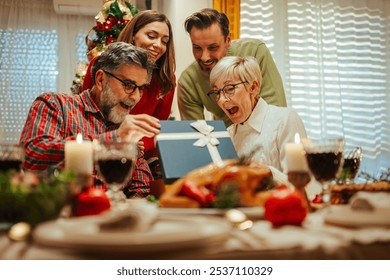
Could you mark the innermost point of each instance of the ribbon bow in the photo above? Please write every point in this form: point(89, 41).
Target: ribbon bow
point(207, 139)
point(206, 131)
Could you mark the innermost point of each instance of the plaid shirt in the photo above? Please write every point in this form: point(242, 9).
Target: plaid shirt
point(54, 119)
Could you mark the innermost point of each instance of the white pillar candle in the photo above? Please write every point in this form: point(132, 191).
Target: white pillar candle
point(295, 155)
point(78, 155)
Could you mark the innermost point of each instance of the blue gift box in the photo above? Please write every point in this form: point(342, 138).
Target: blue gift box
point(186, 145)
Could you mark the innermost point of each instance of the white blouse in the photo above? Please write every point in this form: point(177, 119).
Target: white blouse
point(267, 130)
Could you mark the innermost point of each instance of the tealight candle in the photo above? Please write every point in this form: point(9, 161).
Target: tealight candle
point(295, 155)
point(78, 155)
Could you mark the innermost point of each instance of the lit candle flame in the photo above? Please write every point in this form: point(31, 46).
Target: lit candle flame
point(297, 138)
point(79, 138)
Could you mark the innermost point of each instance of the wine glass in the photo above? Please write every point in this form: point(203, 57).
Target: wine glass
point(114, 161)
point(325, 159)
point(11, 156)
point(351, 165)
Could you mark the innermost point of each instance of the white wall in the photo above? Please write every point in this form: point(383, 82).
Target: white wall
point(177, 11)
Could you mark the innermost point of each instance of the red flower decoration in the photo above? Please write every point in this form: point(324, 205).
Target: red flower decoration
point(109, 40)
point(112, 20)
point(100, 26)
point(108, 26)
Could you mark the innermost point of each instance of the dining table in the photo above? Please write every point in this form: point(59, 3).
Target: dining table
point(315, 239)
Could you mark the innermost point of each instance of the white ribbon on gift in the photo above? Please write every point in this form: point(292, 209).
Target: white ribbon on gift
point(206, 136)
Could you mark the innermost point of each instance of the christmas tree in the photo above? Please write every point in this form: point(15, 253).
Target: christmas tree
point(111, 19)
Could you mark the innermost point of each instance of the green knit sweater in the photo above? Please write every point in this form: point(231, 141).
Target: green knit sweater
point(194, 83)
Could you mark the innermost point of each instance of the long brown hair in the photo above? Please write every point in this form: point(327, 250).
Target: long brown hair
point(166, 64)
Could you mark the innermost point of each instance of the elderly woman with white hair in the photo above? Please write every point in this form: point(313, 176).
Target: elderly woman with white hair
point(257, 126)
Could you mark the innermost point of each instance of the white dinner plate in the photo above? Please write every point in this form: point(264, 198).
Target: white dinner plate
point(251, 212)
point(343, 215)
point(166, 234)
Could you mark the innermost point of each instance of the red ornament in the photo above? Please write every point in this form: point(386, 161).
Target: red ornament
point(285, 207)
point(92, 202)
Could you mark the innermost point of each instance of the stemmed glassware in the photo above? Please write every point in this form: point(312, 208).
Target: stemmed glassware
point(325, 159)
point(11, 156)
point(114, 161)
point(351, 165)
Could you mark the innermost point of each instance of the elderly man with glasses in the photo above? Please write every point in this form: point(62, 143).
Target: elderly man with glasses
point(120, 73)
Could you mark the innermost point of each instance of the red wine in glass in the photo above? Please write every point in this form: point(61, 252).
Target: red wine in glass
point(8, 164)
point(11, 157)
point(324, 166)
point(114, 161)
point(325, 159)
point(115, 171)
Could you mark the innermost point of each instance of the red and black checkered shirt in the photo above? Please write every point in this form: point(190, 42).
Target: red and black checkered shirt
point(54, 119)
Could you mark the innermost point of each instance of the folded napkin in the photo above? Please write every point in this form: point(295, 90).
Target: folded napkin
point(368, 201)
point(313, 235)
point(134, 215)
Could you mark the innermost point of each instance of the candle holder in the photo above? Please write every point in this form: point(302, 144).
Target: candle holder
point(84, 180)
point(300, 179)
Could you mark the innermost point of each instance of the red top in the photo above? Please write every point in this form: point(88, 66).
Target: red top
point(88, 83)
point(149, 104)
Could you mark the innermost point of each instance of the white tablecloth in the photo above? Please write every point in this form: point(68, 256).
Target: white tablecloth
point(313, 240)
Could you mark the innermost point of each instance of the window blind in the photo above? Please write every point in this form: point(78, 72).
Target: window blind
point(334, 60)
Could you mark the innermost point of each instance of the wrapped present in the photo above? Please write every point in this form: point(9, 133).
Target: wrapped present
point(186, 145)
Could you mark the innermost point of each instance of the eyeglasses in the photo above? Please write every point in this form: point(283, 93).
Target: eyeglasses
point(228, 91)
point(129, 87)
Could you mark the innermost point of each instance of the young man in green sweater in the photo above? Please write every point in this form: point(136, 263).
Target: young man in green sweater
point(211, 41)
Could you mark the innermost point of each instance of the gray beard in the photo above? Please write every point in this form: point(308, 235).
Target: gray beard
point(108, 107)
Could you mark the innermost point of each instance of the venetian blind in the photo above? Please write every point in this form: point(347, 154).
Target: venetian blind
point(334, 60)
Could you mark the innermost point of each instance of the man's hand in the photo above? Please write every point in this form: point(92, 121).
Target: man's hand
point(141, 148)
point(134, 127)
